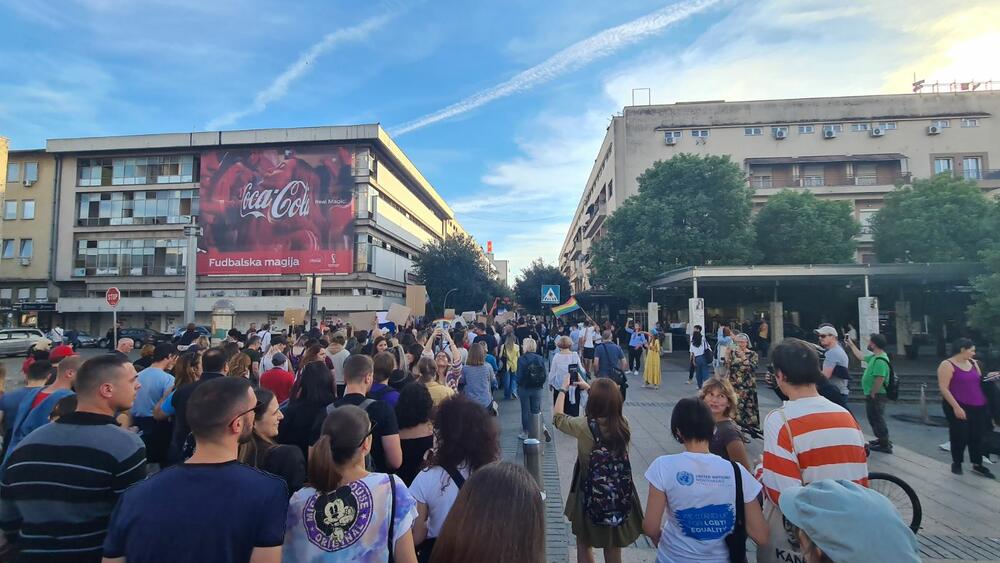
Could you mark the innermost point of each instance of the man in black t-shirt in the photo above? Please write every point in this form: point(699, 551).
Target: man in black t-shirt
point(213, 365)
point(359, 374)
point(253, 350)
point(481, 336)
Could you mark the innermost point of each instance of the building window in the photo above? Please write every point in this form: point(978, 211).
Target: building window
point(835, 127)
point(761, 182)
point(611, 188)
point(26, 247)
point(5, 295)
point(807, 129)
point(865, 217)
point(8, 248)
point(672, 135)
point(700, 133)
point(887, 125)
point(30, 172)
point(28, 209)
point(942, 165)
point(9, 210)
point(13, 172)
point(159, 207)
point(972, 168)
point(41, 294)
point(858, 127)
point(753, 131)
point(137, 170)
point(130, 257)
point(941, 123)
point(970, 122)
point(23, 294)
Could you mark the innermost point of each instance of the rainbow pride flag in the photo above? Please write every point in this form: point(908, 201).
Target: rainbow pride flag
point(567, 307)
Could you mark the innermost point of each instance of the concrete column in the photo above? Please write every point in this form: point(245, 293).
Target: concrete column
point(867, 319)
point(904, 325)
point(696, 314)
point(777, 332)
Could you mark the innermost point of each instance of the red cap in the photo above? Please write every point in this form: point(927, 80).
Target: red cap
point(60, 352)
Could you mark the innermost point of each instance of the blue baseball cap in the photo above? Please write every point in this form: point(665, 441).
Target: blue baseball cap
point(849, 522)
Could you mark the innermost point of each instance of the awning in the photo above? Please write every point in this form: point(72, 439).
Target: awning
point(811, 274)
point(885, 157)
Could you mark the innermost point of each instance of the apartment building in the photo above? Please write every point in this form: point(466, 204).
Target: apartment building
point(274, 208)
point(854, 149)
point(26, 227)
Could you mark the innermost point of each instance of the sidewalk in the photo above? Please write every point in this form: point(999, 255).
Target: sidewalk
point(961, 514)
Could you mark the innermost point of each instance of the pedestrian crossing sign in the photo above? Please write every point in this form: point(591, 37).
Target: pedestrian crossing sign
point(550, 295)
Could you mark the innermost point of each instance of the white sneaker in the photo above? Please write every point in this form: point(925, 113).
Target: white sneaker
point(945, 446)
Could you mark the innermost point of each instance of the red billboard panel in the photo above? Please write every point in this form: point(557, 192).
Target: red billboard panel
point(277, 211)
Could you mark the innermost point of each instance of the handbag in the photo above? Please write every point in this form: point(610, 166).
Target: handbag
point(736, 542)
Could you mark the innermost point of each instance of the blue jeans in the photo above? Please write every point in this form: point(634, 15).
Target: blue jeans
point(509, 385)
point(700, 369)
point(531, 404)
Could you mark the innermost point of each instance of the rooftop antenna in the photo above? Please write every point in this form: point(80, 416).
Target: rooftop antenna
point(649, 95)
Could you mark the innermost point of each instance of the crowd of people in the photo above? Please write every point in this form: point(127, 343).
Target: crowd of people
point(382, 444)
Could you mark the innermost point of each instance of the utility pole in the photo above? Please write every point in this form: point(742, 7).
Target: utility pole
point(192, 232)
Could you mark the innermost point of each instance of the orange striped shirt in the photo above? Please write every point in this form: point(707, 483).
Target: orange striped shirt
point(825, 443)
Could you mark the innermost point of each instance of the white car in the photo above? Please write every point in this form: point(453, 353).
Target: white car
point(18, 341)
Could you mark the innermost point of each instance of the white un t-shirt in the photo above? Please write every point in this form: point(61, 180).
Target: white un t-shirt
point(701, 498)
point(435, 488)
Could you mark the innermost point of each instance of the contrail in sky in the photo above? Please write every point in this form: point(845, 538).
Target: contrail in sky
point(569, 59)
point(279, 87)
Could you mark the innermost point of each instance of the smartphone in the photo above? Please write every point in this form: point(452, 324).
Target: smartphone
point(574, 373)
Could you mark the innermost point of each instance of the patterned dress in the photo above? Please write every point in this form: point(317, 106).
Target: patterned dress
point(741, 366)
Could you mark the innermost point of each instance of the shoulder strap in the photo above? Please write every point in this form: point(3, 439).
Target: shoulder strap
point(366, 403)
point(456, 476)
point(740, 501)
point(392, 518)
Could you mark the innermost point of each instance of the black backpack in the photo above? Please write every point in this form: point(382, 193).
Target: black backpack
point(535, 376)
point(892, 383)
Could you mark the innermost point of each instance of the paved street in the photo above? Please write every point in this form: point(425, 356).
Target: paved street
point(960, 512)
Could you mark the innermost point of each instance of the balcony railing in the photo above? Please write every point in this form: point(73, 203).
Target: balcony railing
point(866, 180)
point(761, 182)
point(982, 174)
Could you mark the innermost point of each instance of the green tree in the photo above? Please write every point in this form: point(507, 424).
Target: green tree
point(528, 286)
point(456, 263)
point(797, 228)
point(984, 311)
point(942, 219)
point(690, 211)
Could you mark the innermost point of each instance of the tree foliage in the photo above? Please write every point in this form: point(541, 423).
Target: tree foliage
point(528, 286)
point(455, 263)
point(798, 228)
point(690, 211)
point(943, 219)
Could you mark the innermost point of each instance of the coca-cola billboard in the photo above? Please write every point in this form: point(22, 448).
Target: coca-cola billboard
point(277, 211)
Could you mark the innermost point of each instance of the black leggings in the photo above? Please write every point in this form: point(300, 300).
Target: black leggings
point(968, 432)
point(634, 358)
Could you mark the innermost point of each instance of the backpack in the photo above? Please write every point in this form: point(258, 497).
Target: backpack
point(615, 373)
point(607, 490)
point(892, 383)
point(534, 376)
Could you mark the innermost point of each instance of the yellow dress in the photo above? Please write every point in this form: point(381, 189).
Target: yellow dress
point(651, 373)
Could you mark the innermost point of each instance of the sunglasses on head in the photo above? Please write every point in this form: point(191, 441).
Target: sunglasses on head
point(256, 406)
point(370, 431)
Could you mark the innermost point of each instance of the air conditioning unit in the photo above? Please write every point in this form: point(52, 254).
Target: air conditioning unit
point(25, 261)
point(28, 183)
point(933, 129)
point(780, 134)
point(876, 132)
point(829, 134)
point(670, 140)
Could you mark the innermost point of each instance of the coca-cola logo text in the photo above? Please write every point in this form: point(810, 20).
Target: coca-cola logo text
point(287, 202)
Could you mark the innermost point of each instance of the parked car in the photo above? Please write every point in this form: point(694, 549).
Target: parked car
point(86, 340)
point(18, 341)
point(144, 336)
point(202, 331)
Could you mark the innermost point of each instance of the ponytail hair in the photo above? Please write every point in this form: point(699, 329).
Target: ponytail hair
point(345, 431)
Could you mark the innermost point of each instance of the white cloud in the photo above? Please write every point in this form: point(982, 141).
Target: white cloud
point(571, 58)
point(279, 87)
point(763, 49)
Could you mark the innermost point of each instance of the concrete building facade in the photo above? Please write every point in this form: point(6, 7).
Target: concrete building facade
point(855, 149)
point(124, 203)
point(26, 234)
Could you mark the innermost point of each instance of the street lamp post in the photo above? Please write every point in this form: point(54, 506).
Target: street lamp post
point(444, 304)
point(192, 232)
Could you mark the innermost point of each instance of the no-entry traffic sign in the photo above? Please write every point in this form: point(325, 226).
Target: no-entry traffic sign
point(113, 296)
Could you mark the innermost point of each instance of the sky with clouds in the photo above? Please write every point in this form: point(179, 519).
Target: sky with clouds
point(502, 105)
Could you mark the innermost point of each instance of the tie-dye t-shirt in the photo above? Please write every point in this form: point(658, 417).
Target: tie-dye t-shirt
point(348, 524)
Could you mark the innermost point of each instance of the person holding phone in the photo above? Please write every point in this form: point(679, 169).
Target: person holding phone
point(565, 363)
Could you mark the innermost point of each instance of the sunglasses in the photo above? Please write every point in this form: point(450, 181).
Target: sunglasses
point(370, 431)
point(256, 406)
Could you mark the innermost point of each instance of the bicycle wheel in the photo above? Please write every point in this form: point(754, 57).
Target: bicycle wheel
point(900, 494)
